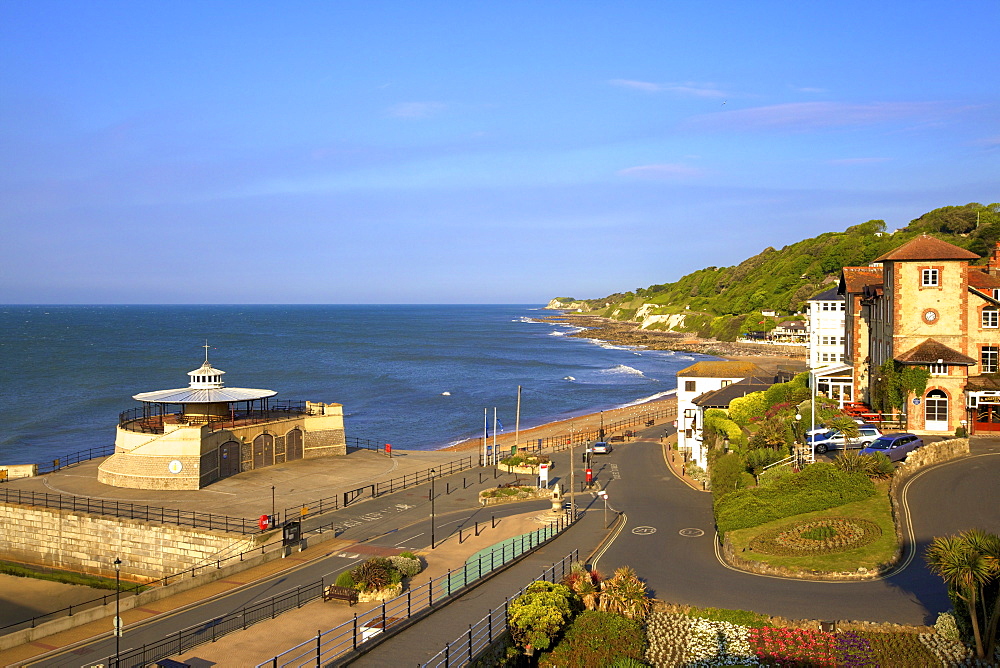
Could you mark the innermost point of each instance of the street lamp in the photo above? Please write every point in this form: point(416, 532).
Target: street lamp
point(432, 509)
point(118, 619)
point(604, 495)
point(798, 437)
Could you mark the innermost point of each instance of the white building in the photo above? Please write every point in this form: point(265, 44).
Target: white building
point(827, 346)
point(694, 381)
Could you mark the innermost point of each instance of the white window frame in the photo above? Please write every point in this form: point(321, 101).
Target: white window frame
point(989, 359)
point(930, 278)
point(990, 318)
point(938, 369)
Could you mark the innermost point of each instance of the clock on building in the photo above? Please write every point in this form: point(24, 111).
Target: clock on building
point(930, 316)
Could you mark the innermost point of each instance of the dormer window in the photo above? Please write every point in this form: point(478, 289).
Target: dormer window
point(938, 369)
point(930, 278)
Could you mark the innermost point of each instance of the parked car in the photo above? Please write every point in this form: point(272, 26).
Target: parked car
point(601, 448)
point(822, 429)
point(834, 440)
point(895, 446)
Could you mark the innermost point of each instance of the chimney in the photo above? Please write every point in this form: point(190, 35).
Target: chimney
point(993, 267)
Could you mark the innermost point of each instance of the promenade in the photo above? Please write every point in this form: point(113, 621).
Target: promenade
point(368, 530)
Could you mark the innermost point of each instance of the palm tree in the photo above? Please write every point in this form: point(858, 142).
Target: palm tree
point(966, 571)
point(988, 545)
point(625, 594)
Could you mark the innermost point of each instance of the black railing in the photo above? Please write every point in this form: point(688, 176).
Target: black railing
point(355, 443)
point(132, 511)
point(72, 458)
point(150, 418)
point(134, 589)
point(563, 441)
point(326, 504)
point(492, 629)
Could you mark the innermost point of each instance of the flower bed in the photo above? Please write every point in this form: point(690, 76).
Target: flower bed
point(679, 640)
point(833, 534)
point(490, 497)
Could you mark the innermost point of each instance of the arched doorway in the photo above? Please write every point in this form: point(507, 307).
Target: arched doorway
point(936, 411)
point(293, 445)
point(229, 459)
point(263, 451)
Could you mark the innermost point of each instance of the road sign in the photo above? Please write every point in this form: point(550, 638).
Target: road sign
point(119, 627)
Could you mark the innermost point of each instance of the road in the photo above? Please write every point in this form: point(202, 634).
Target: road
point(669, 539)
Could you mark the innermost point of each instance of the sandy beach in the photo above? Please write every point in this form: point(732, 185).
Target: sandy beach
point(767, 357)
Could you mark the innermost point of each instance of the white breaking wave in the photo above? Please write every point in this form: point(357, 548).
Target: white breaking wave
point(624, 369)
point(525, 318)
point(446, 394)
point(558, 333)
point(569, 378)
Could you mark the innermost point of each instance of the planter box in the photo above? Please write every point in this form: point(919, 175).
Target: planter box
point(380, 594)
point(541, 493)
point(524, 468)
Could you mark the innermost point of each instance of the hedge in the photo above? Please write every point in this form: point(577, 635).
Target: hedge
point(817, 487)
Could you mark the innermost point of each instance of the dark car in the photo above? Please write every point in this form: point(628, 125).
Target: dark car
point(894, 446)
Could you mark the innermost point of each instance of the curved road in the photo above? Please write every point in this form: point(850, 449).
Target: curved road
point(669, 539)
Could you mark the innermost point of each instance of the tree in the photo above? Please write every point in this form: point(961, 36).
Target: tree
point(968, 564)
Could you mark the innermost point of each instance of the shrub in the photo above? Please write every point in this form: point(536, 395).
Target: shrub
point(725, 474)
point(876, 465)
point(625, 594)
point(345, 580)
point(539, 614)
point(817, 487)
point(376, 573)
point(741, 617)
point(407, 566)
point(597, 638)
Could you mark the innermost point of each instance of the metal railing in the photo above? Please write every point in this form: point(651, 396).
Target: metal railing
point(150, 418)
point(563, 441)
point(356, 631)
point(329, 503)
point(135, 589)
point(132, 511)
point(351, 635)
point(492, 628)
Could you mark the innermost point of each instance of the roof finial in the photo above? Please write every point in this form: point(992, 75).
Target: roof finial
point(206, 351)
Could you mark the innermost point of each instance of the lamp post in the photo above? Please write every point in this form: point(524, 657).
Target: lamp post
point(272, 503)
point(798, 435)
point(432, 509)
point(118, 619)
point(604, 495)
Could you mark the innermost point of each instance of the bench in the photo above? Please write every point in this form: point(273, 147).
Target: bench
point(616, 439)
point(650, 423)
point(335, 593)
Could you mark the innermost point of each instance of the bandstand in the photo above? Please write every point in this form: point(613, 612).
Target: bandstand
point(190, 437)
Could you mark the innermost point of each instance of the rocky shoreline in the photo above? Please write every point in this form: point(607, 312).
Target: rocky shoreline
point(629, 334)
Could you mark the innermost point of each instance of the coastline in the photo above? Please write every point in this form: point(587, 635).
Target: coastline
point(615, 332)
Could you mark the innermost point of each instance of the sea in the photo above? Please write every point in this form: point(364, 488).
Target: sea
point(415, 376)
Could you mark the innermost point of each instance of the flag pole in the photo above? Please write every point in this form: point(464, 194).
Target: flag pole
point(485, 436)
point(495, 434)
point(517, 421)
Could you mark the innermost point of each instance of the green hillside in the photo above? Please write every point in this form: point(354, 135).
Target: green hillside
point(722, 302)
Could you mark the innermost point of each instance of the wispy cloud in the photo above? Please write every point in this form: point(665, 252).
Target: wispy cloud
point(804, 116)
point(686, 89)
point(989, 142)
point(809, 89)
point(662, 171)
point(416, 109)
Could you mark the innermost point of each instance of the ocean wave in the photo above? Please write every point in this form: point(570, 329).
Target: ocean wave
point(569, 378)
point(624, 369)
point(558, 333)
point(526, 319)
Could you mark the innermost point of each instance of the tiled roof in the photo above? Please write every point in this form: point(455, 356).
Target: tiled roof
point(982, 281)
point(932, 352)
point(721, 369)
point(927, 247)
point(723, 397)
point(854, 279)
point(829, 295)
point(987, 381)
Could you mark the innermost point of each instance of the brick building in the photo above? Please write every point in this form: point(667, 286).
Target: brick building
point(924, 304)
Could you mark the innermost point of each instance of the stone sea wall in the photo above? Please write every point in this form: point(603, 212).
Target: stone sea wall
point(75, 541)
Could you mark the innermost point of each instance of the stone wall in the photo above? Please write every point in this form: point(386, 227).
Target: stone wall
point(930, 454)
point(76, 541)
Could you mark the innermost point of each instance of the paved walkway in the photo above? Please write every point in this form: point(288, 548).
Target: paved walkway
point(261, 642)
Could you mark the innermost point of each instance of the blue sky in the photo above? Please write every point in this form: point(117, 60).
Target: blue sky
point(437, 152)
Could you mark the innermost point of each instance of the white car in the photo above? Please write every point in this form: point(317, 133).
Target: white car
point(834, 440)
point(601, 448)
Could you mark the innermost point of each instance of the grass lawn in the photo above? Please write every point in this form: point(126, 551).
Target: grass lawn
point(877, 509)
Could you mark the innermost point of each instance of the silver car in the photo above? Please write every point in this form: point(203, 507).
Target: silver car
point(834, 440)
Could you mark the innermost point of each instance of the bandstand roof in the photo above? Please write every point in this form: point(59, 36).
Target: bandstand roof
point(187, 395)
